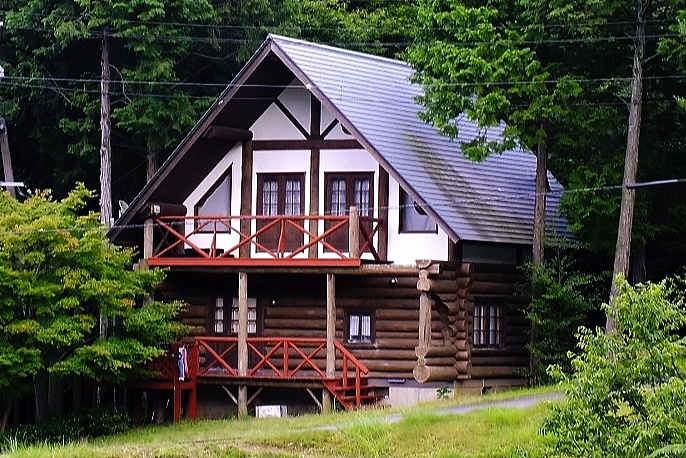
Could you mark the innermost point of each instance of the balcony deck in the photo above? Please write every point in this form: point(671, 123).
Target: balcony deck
point(264, 241)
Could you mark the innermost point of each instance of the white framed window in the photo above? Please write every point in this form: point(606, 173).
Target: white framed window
point(360, 327)
point(488, 327)
point(252, 316)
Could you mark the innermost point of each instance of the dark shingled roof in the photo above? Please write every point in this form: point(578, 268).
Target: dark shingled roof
point(491, 201)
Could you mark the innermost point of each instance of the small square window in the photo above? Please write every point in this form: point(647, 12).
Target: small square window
point(489, 324)
point(359, 327)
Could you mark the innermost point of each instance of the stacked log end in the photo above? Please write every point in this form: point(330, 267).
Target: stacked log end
point(436, 357)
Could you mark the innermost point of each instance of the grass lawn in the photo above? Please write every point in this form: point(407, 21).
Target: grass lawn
point(421, 432)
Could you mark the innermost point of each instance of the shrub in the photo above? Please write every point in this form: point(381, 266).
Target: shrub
point(92, 423)
point(627, 396)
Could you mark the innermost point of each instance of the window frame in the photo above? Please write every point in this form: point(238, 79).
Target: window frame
point(349, 178)
point(203, 200)
point(360, 313)
point(339, 240)
point(404, 201)
point(485, 343)
point(281, 179)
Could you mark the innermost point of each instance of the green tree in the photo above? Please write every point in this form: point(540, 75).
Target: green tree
point(560, 297)
point(379, 27)
point(58, 274)
point(626, 398)
point(495, 62)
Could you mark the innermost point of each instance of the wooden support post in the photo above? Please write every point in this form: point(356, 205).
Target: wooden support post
point(330, 335)
point(246, 194)
point(148, 232)
point(6, 158)
point(242, 341)
point(315, 134)
point(354, 233)
point(242, 401)
point(313, 251)
point(382, 247)
point(424, 320)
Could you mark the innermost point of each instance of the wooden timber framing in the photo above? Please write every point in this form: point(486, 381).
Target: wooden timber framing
point(277, 145)
point(246, 192)
point(436, 358)
point(242, 342)
point(315, 132)
point(383, 202)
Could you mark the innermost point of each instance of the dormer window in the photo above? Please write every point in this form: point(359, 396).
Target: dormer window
point(413, 218)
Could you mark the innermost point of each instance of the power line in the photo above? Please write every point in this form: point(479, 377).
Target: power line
point(432, 204)
point(18, 80)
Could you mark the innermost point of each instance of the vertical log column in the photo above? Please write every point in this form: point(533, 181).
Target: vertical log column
point(147, 238)
point(246, 194)
point(330, 337)
point(242, 342)
point(430, 358)
point(354, 233)
point(382, 247)
point(315, 134)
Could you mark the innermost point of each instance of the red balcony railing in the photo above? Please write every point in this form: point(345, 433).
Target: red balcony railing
point(287, 358)
point(283, 237)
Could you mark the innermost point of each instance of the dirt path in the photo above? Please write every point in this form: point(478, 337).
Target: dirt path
point(516, 403)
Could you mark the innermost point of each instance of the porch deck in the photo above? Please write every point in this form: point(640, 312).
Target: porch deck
point(272, 362)
point(263, 241)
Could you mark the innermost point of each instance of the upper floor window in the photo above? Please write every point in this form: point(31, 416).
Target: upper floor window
point(345, 190)
point(413, 218)
point(280, 194)
point(216, 202)
point(488, 325)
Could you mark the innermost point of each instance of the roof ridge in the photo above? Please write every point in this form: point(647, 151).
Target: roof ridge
point(275, 37)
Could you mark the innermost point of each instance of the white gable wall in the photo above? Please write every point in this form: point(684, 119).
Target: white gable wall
point(408, 247)
point(224, 240)
point(274, 125)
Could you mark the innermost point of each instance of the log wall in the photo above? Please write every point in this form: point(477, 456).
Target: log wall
point(497, 283)
point(295, 306)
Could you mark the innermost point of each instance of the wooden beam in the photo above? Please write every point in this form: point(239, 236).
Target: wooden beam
point(6, 158)
point(232, 134)
point(314, 398)
point(315, 134)
point(330, 337)
point(276, 145)
point(242, 341)
point(246, 193)
point(354, 233)
point(383, 200)
point(330, 325)
point(425, 303)
point(148, 231)
point(291, 117)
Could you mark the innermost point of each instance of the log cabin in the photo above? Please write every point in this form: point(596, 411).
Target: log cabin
point(332, 248)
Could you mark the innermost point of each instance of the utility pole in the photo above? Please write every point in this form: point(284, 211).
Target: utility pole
point(626, 213)
point(105, 130)
point(6, 158)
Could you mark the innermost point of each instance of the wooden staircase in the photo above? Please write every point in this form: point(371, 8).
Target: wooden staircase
point(352, 393)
